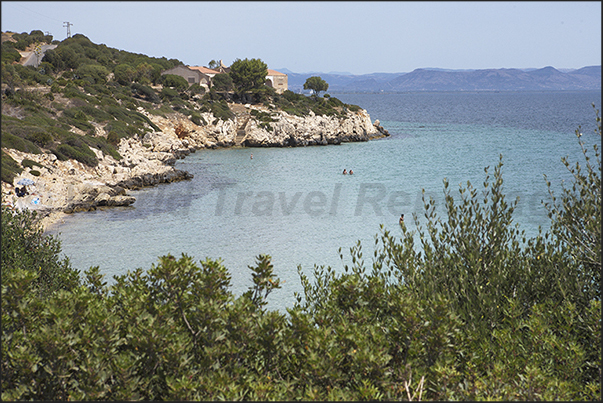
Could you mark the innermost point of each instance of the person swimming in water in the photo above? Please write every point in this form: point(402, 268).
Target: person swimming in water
point(345, 171)
point(351, 172)
point(401, 218)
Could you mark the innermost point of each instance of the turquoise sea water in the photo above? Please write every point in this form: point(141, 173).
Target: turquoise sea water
point(295, 205)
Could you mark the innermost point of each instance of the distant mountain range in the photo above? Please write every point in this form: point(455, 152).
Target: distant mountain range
point(433, 79)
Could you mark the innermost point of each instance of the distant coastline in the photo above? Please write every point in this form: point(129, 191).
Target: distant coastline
point(430, 79)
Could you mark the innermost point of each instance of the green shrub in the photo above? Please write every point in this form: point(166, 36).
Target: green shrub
point(27, 163)
point(145, 92)
point(77, 118)
point(124, 74)
point(76, 149)
point(113, 138)
point(25, 249)
point(334, 101)
point(197, 119)
point(95, 73)
point(103, 144)
point(219, 109)
point(96, 114)
point(262, 116)
point(196, 89)
point(222, 82)
point(18, 143)
point(118, 113)
point(74, 92)
point(41, 139)
point(173, 81)
point(10, 168)
point(35, 172)
point(169, 94)
point(10, 54)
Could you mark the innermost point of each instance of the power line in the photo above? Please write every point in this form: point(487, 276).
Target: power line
point(31, 11)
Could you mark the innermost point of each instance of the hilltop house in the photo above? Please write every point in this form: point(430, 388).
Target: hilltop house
point(204, 70)
point(193, 76)
point(277, 80)
point(203, 75)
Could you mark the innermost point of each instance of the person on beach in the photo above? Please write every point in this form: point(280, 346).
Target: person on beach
point(401, 218)
point(20, 192)
point(345, 171)
point(251, 156)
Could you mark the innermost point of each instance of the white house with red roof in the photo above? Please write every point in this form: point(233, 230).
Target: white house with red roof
point(277, 80)
point(203, 75)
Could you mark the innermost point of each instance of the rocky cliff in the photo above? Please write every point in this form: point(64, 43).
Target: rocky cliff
point(70, 186)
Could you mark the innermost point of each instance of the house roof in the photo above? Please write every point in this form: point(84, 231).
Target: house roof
point(275, 73)
point(203, 70)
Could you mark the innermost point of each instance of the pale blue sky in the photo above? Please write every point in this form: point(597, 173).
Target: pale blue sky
point(355, 37)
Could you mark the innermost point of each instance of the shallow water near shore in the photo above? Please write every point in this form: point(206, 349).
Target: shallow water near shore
point(295, 205)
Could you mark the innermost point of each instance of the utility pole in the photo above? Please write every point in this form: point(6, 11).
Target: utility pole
point(68, 24)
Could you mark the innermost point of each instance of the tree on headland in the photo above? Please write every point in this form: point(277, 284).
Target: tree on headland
point(248, 74)
point(316, 84)
point(222, 82)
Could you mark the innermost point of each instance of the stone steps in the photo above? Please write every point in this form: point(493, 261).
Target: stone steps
point(241, 131)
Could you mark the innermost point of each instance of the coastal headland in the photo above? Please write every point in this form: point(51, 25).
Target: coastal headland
point(66, 187)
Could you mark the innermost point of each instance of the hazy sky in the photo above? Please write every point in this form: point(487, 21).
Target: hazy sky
point(355, 37)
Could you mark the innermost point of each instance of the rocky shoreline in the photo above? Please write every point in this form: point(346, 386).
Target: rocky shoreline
point(66, 187)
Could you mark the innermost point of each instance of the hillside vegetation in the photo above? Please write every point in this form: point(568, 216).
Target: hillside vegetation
point(81, 87)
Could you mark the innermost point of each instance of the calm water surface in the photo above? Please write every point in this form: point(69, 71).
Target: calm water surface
point(295, 205)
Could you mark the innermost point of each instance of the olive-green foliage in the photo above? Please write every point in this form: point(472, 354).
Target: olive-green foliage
point(11, 78)
point(93, 73)
point(27, 163)
point(169, 94)
point(18, 143)
point(196, 89)
point(316, 84)
point(26, 249)
point(263, 118)
point(222, 82)
point(24, 39)
point(248, 74)
point(301, 105)
point(197, 119)
point(32, 76)
point(576, 214)
point(76, 117)
point(145, 92)
point(30, 100)
point(219, 108)
point(74, 147)
point(9, 53)
point(173, 81)
point(10, 168)
point(102, 144)
point(124, 74)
